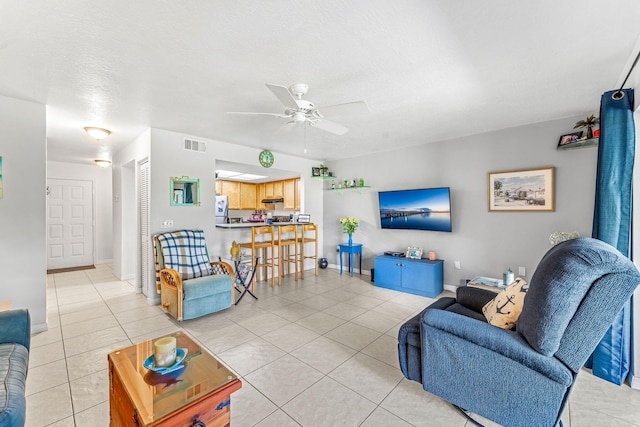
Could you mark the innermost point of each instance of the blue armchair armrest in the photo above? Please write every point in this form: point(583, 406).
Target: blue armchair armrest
point(15, 327)
point(509, 344)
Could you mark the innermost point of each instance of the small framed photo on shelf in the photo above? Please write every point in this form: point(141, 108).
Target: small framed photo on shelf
point(415, 253)
point(315, 171)
point(570, 138)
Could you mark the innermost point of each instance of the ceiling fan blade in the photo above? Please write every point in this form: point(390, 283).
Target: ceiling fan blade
point(356, 107)
point(329, 126)
point(257, 114)
point(283, 94)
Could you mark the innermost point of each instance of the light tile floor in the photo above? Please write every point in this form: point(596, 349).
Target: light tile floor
point(313, 352)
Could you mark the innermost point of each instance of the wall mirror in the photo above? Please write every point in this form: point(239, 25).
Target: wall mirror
point(184, 191)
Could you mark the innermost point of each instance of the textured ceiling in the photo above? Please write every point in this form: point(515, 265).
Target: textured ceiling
point(429, 70)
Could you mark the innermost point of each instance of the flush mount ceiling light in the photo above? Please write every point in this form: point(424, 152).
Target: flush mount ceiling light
point(103, 163)
point(97, 133)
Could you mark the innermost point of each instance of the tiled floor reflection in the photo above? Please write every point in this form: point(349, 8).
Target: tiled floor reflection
point(314, 352)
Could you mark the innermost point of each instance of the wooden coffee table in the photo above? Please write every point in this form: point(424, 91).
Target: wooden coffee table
point(199, 394)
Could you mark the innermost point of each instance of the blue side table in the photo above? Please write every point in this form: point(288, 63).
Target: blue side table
point(355, 248)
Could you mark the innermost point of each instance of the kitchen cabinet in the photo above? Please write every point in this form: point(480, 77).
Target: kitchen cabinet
point(297, 193)
point(231, 189)
point(278, 189)
point(218, 187)
point(268, 190)
point(414, 276)
point(289, 190)
point(247, 196)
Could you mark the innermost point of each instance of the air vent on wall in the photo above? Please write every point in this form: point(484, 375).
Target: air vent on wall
point(193, 145)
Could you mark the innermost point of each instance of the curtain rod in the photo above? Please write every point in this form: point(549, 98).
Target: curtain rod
point(619, 94)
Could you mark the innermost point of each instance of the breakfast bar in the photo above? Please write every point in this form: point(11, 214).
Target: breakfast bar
point(238, 232)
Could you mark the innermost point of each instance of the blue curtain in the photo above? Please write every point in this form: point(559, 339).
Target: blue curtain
point(612, 221)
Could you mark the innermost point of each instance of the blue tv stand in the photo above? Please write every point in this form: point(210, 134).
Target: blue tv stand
point(414, 276)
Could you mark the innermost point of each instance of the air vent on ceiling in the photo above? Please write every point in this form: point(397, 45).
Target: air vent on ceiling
point(193, 145)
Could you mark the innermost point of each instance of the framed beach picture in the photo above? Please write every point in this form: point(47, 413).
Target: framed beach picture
point(528, 190)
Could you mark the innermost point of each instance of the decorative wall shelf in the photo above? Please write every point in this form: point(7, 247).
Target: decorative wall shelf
point(593, 142)
point(323, 177)
point(358, 189)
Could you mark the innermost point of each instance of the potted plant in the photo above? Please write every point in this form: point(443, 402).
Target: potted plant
point(589, 123)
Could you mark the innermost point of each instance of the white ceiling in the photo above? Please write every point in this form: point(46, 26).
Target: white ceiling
point(429, 70)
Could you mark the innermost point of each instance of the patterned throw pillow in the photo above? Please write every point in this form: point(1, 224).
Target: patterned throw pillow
point(503, 311)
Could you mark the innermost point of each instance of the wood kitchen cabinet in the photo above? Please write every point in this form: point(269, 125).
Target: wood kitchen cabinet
point(297, 194)
point(278, 189)
point(268, 190)
point(231, 189)
point(289, 190)
point(247, 196)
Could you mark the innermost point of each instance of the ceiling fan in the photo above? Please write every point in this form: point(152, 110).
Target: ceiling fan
point(300, 110)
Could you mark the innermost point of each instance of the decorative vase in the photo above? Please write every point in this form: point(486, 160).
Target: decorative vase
point(235, 249)
point(350, 240)
point(589, 132)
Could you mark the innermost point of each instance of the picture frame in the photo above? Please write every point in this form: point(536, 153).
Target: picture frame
point(315, 171)
point(413, 252)
point(525, 190)
point(570, 138)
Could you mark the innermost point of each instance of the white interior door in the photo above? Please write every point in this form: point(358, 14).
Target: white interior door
point(69, 223)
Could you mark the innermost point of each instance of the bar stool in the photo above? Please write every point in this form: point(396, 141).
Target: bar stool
point(262, 239)
point(287, 237)
point(309, 235)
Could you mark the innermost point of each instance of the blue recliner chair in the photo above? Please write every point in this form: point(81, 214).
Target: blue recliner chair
point(520, 377)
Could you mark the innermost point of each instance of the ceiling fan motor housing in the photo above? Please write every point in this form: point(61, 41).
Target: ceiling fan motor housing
point(299, 89)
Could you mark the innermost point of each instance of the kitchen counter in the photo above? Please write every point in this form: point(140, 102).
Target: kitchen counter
point(254, 224)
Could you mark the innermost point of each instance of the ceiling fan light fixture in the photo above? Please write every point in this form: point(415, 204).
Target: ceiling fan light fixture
point(103, 163)
point(97, 133)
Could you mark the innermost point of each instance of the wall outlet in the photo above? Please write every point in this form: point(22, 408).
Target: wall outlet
point(167, 224)
point(456, 265)
point(337, 248)
point(522, 271)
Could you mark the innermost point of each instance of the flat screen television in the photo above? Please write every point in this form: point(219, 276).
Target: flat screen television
point(421, 209)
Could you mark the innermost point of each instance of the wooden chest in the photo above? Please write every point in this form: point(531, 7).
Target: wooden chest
point(197, 394)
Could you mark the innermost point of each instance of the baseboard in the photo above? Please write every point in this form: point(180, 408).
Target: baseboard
point(128, 277)
point(451, 288)
point(153, 299)
point(40, 327)
point(345, 268)
point(635, 382)
point(104, 261)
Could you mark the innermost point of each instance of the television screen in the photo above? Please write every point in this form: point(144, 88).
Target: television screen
point(423, 209)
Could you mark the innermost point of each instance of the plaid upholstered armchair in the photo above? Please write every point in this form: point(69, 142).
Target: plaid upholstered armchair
point(189, 284)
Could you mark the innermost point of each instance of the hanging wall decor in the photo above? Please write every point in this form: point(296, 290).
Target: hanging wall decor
point(529, 190)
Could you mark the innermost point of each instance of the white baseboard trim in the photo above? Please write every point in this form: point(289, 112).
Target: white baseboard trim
point(153, 299)
point(365, 272)
point(127, 277)
point(104, 261)
point(40, 327)
point(451, 288)
point(635, 382)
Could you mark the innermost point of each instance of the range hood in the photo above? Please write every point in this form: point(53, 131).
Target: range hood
point(273, 200)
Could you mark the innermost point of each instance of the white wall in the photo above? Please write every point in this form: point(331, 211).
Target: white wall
point(102, 206)
point(23, 260)
point(125, 239)
point(486, 243)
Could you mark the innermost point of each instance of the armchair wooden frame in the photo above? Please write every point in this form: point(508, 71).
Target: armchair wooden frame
point(170, 279)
